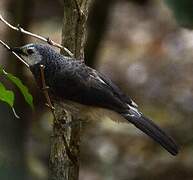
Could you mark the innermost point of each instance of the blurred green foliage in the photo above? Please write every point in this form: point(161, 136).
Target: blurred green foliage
point(183, 11)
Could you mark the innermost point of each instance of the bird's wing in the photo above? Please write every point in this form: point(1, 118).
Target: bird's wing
point(137, 118)
point(98, 79)
point(116, 90)
point(85, 85)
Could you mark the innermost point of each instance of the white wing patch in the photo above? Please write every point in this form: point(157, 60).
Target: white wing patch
point(133, 103)
point(132, 107)
point(134, 111)
point(97, 77)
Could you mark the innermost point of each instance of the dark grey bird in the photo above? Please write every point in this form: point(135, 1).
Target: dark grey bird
point(70, 79)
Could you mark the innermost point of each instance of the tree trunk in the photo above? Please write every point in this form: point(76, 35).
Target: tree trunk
point(64, 157)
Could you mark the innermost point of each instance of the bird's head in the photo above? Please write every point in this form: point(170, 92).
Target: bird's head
point(33, 54)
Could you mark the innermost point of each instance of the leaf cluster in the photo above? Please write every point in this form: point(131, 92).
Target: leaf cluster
point(8, 96)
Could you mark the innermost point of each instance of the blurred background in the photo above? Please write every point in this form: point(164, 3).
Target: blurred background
point(141, 47)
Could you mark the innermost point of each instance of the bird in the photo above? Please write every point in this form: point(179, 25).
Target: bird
point(71, 79)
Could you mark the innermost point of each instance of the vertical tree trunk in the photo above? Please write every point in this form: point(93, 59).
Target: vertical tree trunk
point(97, 26)
point(64, 157)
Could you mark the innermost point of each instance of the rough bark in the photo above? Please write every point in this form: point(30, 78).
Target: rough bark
point(64, 157)
point(74, 26)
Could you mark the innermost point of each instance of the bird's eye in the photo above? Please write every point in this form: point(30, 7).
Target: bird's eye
point(30, 51)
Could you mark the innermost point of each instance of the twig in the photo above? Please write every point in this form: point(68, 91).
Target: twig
point(9, 49)
point(48, 40)
point(45, 91)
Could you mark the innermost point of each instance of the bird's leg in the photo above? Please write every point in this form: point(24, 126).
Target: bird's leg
point(45, 91)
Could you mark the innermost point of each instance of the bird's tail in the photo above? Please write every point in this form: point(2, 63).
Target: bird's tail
point(152, 130)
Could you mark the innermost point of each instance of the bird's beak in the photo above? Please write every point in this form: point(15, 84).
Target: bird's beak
point(18, 51)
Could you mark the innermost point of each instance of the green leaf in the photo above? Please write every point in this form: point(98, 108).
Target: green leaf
point(6, 95)
point(24, 90)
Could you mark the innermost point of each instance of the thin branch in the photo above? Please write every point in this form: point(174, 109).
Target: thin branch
point(48, 40)
point(45, 91)
point(9, 49)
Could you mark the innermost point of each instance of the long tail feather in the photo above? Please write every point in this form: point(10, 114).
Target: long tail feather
point(152, 130)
